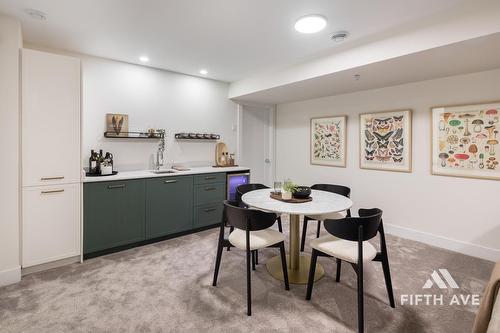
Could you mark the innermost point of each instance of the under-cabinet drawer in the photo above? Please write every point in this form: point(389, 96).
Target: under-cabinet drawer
point(209, 178)
point(209, 193)
point(207, 215)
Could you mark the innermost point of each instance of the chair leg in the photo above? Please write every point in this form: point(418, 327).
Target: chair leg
point(249, 290)
point(283, 265)
point(304, 232)
point(253, 260)
point(339, 265)
point(219, 256)
point(312, 271)
point(360, 300)
point(256, 257)
point(230, 231)
point(387, 278)
point(319, 229)
point(280, 226)
point(361, 319)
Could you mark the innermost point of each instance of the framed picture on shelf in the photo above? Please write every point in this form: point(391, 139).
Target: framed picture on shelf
point(117, 124)
point(328, 141)
point(385, 141)
point(465, 141)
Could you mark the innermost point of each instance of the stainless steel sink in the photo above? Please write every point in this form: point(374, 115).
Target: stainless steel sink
point(164, 171)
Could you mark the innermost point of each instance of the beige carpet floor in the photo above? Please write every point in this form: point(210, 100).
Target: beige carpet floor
point(166, 287)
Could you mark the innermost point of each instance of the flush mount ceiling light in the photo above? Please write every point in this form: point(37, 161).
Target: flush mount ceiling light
point(203, 72)
point(36, 14)
point(144, 59)
point(339, 36)
point(310, 24)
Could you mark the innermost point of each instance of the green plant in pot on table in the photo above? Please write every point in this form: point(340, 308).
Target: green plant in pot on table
point(288, 189)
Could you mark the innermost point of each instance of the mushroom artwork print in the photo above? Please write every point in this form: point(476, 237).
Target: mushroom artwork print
point(328, 141)
point(465, 141)
point(385, 141)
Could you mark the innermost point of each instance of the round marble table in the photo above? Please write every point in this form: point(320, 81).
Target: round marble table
point(322, 203)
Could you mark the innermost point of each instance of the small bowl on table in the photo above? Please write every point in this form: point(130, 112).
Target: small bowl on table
point(302, 192)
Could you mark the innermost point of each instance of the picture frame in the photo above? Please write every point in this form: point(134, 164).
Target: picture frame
point(117, 124)
point(328, 141)
point(464, 140)
point(385, 140)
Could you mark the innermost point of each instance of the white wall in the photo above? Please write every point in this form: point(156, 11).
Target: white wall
point(257, 142)
point(153, 99)
point(456, 213)
point(10, 43)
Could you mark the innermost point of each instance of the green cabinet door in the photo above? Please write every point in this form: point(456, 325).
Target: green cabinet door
point(169, 205)
point(114, 214)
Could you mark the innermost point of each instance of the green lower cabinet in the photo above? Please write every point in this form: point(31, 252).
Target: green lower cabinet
point(125, 212)
point(207, 215)
point(169, 205)
point(114, 214)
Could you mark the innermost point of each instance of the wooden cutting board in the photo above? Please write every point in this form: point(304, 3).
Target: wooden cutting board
point(277, 196)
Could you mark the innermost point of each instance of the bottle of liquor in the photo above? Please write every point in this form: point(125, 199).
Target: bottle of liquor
point(100, 160)
point(109, 159)
point(92, 162)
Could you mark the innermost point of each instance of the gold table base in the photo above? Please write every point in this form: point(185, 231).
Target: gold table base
point(298, 265)
point(295, 276)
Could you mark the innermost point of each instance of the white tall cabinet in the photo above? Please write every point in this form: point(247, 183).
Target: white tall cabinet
point(51, 158)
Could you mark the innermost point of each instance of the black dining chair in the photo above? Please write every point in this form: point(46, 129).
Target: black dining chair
point(245, 188)
point(337, 189)
point(348, 242)
point(251, 232)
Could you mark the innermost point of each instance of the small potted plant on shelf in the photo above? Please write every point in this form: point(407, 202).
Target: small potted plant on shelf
point(288, 189)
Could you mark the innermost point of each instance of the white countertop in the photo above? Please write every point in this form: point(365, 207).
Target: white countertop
point(148, 174)
point(322, 203)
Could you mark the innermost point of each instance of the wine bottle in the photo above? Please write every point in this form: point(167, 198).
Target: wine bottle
point(92, 162)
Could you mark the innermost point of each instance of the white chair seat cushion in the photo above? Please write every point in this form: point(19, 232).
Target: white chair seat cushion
point(329, 216)
point(343, 249)
point(258, 239)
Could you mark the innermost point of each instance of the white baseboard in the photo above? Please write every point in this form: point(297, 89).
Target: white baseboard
point(470, 249)
point(10, 276)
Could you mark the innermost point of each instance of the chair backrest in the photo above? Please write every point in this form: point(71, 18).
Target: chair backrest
point(247, 219)
point(349, 227)
point(242, 189)
point(337, 189)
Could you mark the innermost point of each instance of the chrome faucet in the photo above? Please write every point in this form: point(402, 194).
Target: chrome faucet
point(161, 149)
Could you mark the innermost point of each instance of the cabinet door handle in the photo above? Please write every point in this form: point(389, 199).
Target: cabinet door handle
point(52, 191)
point(210, 177)
point(52, 178)
point(210, 210)
point(170, 181)
point(210, 188)
point(111, 187)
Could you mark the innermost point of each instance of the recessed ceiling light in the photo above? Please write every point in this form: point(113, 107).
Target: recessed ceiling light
point(144, 59)
point(339, 36)
point(203, 72)
point(36, 14)
point(310, 24)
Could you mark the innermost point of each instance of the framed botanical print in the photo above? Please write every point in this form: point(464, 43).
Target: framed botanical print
point(465, 140)
point(328, 141)
point(385, 141)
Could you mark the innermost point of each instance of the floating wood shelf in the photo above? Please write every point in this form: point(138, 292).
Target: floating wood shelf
point(133, 135)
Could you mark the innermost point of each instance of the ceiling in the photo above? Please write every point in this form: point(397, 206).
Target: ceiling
point(231, 38)
point(473, 55)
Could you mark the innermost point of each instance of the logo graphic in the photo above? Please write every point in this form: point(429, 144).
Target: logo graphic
point(436, 278)
point(443, 280)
